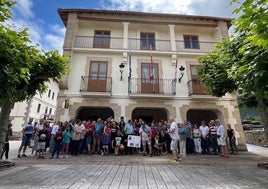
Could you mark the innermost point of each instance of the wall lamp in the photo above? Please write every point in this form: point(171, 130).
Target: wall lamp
point(121, 66)
point(182, 73)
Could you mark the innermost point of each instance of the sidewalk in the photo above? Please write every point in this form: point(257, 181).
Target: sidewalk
point(136, 171)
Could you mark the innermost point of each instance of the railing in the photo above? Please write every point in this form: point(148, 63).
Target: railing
point(96, 84)
point(203, 47)
point(154, 86)
point(140, 44)
point(157, 45)
point(98, 42)
point(196, 88)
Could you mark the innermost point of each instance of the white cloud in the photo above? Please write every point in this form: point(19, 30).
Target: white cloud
point(168, 6)
point(54, 42)
point(219, 8)
point(24, 7)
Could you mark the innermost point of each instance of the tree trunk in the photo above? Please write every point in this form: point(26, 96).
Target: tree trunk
point(264, 115)
point(4, 119)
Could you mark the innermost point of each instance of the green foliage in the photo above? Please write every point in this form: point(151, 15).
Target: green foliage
point(5, 9)
point(241, 63)
point(24, 69)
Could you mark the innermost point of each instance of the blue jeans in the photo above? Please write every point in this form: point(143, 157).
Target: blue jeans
point(57, 148)
point(205, 146)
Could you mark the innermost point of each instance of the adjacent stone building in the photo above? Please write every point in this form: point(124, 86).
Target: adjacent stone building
point(124, 64)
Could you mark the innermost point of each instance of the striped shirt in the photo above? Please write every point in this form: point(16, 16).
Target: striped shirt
point(212, 130)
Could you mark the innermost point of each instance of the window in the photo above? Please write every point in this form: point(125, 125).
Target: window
point(149, 72)
point(50, 110)
point(38, 108)
point(147, 41)
point(102, 39)
point(97, 81)
point(98, 70)
point(49, 93)
point(53, 94)
point(46, 110)
point(191, 42)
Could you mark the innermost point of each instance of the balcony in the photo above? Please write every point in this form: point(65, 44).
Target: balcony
point(96, 84)
point(200, 47)
point(196, 88)
point(139, 44)
point(155, 86)
point(93, 42)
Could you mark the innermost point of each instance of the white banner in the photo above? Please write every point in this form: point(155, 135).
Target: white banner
point(134, 141)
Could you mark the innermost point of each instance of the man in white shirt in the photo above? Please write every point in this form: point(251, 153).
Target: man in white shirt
point(204, 137)
point(173, 132)
point(221, 135)
point(54, 131)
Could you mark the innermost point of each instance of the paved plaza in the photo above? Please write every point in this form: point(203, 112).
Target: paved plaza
point(136, 171)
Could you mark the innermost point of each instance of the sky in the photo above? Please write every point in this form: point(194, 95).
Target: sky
point(47, 29)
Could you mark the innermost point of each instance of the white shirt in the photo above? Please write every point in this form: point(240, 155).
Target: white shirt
point(221, 131)
point(174, 135)
point(55, 129)
point(204, 130)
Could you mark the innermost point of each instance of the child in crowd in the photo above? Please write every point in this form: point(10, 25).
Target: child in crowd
point(41, 145)
point(66, 139)
point(106, 140)
point(58, 144)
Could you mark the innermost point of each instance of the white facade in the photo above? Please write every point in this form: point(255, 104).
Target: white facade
point(98, 41)
point(39, 107)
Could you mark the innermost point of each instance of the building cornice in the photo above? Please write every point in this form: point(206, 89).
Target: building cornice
point(141, 17)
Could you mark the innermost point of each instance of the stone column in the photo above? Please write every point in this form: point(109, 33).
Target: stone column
point(125, 41)
point(173, 44)
point(223, 29)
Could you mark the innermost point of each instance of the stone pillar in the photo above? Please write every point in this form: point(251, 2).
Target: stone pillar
point(125, 41)
point(71, 29)
point(173, 44)
point(223, 29)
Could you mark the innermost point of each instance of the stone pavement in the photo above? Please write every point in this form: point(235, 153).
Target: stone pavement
point(136, 171)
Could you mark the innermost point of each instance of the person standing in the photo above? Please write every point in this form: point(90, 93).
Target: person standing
point(182, 140)
point(173, 132)
point(5, 149)
point(27, 133)
point(55, 129)
point(129, 130)
point(213, 136)
point(204, 137)
point(76, 138)
point(66, 139)
point(221, 134)
point(197, 139)
point(145, 132)
point(97, 136)
point(232, 139)
point(89, 134)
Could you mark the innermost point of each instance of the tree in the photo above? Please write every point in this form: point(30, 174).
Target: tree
point(24, 69)
point(241, 64)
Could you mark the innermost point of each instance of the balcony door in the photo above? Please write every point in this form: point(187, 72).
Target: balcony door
point(197, 87)
point(97, 77)
point(149, 78)
point(147, 41)
point(102, 39)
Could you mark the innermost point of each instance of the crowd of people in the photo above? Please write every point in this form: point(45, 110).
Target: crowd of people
point(110, 137)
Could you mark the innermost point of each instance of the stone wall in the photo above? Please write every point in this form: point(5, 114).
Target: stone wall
point(255, 137)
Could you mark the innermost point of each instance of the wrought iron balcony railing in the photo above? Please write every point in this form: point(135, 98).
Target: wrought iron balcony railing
point(96, 84)
point(196, 88)
point(141, 44)
point(154, 86)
